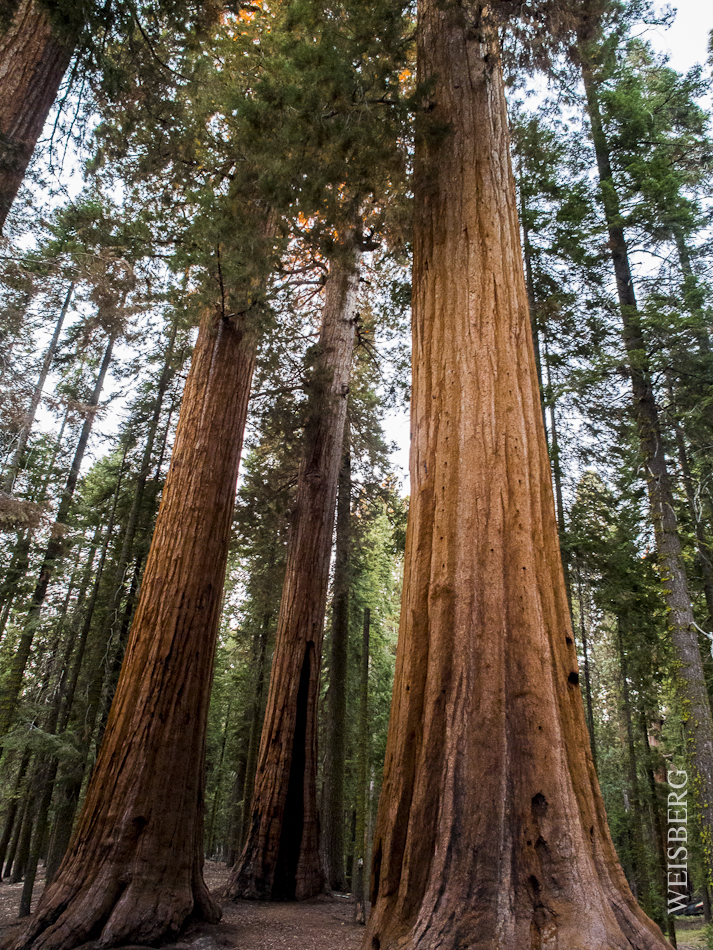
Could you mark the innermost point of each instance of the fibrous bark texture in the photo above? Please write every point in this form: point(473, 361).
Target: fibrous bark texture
point(491, 830)
point(33, 59)
point(281, 858)
point(133, 872)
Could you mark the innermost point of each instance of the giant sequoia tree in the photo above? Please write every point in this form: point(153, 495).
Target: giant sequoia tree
point(281, 858)
point(491, 829)
point(133, 871)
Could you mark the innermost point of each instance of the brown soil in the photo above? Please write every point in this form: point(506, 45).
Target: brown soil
point(325, 923)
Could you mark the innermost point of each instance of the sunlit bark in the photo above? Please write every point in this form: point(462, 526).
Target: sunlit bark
point(491, 829)
point(133, 872)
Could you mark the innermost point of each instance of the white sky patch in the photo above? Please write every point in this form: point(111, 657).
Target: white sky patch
point(686, 41)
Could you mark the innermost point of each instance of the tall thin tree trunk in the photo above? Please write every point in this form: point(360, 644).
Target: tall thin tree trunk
point(690, 680)
point(661, 844)
point(99, 667)
point(532, 303)
point(362, 792)
point(257, 714)
point(134, 870)
point(15, 840)
point(557, 478)
point(639, 848)
point(210, 837)
point(167, 373)
point(336, 723)
point(281, 858)
point(34, 56)
point(13, 806)
point(29, 420)
point(589, 708)
point(21, 551)
point(57, 723)
point(703, 547)
point(54, 553)
point(491, 829)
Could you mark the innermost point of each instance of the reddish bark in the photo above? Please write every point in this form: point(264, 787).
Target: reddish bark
point(133, 872)
point(281, 857)
point(491, 829)
point(33, 59)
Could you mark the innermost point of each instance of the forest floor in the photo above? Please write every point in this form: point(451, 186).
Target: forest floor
point(326, 923)
point(690, 933)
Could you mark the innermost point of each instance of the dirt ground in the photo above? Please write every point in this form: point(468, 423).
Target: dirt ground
point(326, 923)
point(322, 924)
point(690, 933)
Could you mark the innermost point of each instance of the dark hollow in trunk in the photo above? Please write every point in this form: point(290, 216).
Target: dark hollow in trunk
point(281, 857)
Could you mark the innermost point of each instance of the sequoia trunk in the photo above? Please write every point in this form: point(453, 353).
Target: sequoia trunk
point(491, 829)
point(33, 59)
point(133, 872)
point(281, 857)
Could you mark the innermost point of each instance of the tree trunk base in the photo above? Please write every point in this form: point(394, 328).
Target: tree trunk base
point(110, 913)
point(578, 928)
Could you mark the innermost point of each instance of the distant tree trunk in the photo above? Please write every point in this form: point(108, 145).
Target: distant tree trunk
point(641, 875)
point(557, 477)
point(531, 301)
point(690, 680)
point(127, 548)
point(15, 840)
point(336, 722)
point(360, 841)
point(46, 768)
point(133, 872)
point(703, 547)
point(589, 707)
point(281, 858)
point(256, 719)
point(659, 833)
point(28, 421)
point(55, 551)
point(33, 59)
point(210, 836)
point(11, 586)
point(491, 828)
point(13, 807)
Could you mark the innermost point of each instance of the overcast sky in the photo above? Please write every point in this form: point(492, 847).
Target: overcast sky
point(687, 40)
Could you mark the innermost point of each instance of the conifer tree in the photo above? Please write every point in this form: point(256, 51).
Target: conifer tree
point(491, 824)
point(281, 858)
point(693, 692)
